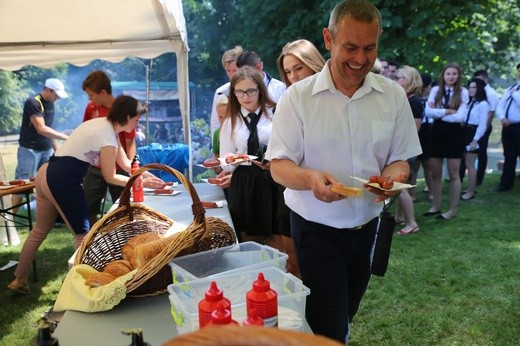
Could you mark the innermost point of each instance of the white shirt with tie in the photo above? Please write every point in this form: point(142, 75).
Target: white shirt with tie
point(511, 99)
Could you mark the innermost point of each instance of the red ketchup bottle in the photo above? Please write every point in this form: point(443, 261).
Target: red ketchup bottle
point(221, 316)
point(264, 301)
point(210, 302)
point(252, 319)
point(137, 187)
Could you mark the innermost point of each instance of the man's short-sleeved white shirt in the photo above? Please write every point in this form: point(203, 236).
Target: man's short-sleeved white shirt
point(318, 127)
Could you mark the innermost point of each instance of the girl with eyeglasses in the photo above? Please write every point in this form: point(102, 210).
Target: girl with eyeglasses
point(253, 195)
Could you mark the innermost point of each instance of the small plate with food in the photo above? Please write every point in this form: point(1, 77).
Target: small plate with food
point(212, 162)
point(235, 159)
point(212, 204)
point(166, 192)
point(14, 183)
point(212, 181)
point(383, 183)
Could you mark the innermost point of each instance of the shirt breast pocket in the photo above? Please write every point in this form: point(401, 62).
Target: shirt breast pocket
point(381, 137)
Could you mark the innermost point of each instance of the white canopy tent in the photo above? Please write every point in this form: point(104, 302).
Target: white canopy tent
point(46, 32)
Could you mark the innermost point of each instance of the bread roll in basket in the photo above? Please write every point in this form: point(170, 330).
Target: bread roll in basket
point(106, 239)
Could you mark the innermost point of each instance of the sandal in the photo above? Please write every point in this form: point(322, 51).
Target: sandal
point(399, 222)
point(414, 229)
point(20, 290)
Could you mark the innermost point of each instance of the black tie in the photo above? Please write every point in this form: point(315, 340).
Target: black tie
point(510, 100)
point(469, 112)
point(252, 142)
point(447, 99)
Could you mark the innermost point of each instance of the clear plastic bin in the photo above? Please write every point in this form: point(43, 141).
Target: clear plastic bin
point(229, 259)
point(185, 297)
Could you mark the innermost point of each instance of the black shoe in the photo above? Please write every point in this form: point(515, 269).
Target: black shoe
point(467, 199)
point(465, 191)
point(442, 217)
point(500, 189)
point(431, 213)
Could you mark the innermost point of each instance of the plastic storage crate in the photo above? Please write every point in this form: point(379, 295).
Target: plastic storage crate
point(185, 297)
point(229, 259)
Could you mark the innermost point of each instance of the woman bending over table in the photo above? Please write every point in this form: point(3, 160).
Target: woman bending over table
point(58, 182)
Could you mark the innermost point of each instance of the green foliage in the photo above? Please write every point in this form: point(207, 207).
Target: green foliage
point(422, 33)
point(12, 97)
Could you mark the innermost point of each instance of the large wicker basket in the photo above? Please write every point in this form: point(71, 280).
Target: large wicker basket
point(107, 237)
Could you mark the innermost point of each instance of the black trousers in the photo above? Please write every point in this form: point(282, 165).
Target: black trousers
point(482, 156)
point(511, 144)
point(335, 265)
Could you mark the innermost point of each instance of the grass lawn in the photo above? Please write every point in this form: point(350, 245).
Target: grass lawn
point(455, 282)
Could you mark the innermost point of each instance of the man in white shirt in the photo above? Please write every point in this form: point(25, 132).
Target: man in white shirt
point(342, 122)
point(508, 112)
point(275, 87)
point(229, 62)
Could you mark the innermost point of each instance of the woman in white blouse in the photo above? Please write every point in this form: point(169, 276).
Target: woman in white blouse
point(253, 194)
point(447, 105)
point(474, 127)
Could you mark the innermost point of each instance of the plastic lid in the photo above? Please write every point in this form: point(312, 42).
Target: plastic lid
point(221, 315)
point(214, 294)
point(261, 284)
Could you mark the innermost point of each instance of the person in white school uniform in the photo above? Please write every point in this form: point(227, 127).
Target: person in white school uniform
point(253, 195)
point(275, 87)
point(474, 128)
point(508, 112)
point(492, 98)
point(447, 105)
point(229, 62)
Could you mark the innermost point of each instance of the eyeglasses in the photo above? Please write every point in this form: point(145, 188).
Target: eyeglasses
point(248, 92)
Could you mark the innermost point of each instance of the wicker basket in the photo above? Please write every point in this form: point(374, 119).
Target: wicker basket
point(249, 336)
point(107, 237)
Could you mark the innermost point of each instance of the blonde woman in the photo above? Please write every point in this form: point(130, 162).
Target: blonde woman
point(298, 60)
point(411, 81)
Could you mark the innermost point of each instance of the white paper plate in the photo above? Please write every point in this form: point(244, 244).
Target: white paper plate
point(168, 187)
point(175, 193)
point(397, 186)
point(223, 161)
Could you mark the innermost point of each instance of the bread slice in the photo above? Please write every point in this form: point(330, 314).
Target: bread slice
point(347, 191)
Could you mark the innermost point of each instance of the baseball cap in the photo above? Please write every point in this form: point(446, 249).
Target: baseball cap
point(57, 86)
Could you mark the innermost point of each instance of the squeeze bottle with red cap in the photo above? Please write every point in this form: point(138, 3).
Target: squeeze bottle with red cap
point(211, 299)
point(221, 316)
point(252, 319)
point(264, 301)
point(137, 187)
